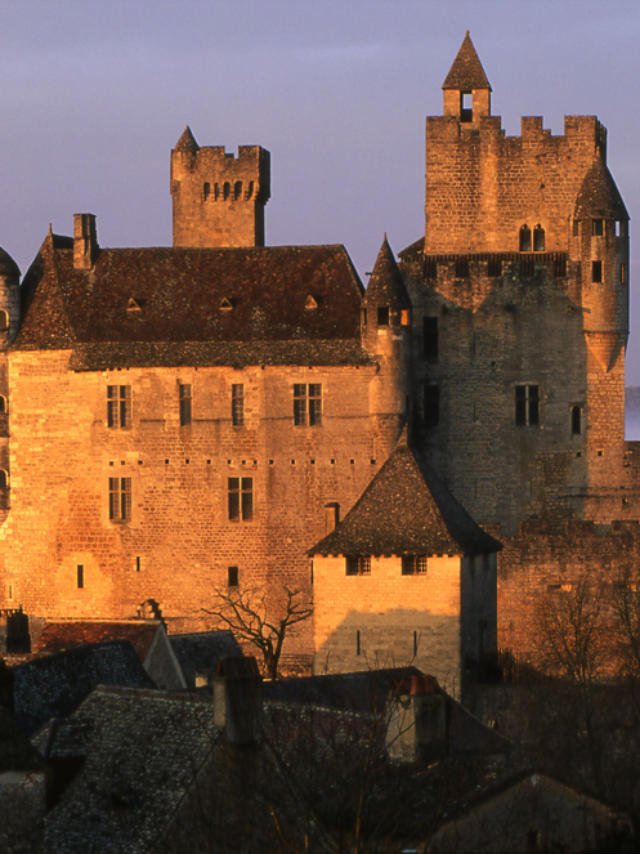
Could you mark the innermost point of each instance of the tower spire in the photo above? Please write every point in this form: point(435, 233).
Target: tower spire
point(466, 89)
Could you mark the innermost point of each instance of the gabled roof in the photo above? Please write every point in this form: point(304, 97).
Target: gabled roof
point(199, 653)
point(467, 72)
point(598, 195)
point(406, 510)
point(184, 296)
point(386, 285)
point(58, 636)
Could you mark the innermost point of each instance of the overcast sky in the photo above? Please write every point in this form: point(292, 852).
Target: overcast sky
point(95, 94)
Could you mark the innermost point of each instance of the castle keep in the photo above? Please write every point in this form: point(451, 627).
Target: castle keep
point(176, 421)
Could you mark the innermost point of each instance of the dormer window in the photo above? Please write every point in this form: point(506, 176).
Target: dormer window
point(226, 304)
point(311, 303)
point(135, 305)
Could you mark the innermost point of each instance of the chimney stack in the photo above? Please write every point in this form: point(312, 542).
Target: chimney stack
point(237, 700)
point(85, 241)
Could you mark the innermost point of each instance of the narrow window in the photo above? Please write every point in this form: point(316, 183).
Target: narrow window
point(597, 227)
point(596, 271)
point(525, 239)
point(119, 499)
point(226, 190)
point(4, 479)
point(494, 267)
point(576, 228)
point(184, 399)
point(250, 190)
point(622, 272)
point(466, 107)
point(80, 576)
point(240, 498)
point(237, 189)
point(237, 404)
point(206, 191)
point(119, 406)
point(430, 338)
point(4, 321)
point(232, 576)
point(307, 404)
point(415, 643)
point(431, 405)
point(216, 191)
point(358, 565)
point(538, 239)
point(576, 419)
point(462, 267)
point(138, 564)
point(383, 315)
point(11, 591)
point(527, 405)
point(3, 405)
point(357, 641)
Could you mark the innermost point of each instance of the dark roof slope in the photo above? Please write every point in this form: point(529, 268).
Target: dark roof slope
point(386, 285)
point(406, 510)
point(599, 195)
point(467, 72)
point(200, 652)
point(61, 635)
point(187, 142)
point(8, 266)
point(16, 751)
point(177, 306)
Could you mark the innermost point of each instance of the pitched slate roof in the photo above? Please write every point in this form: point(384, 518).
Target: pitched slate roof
point(200, 652)
point(173, 306)
point(16, 751)
point(386, 285)
point(58, 636)
point(142, 750)
point(406, 510)
point(598, 195)
point(467, 72)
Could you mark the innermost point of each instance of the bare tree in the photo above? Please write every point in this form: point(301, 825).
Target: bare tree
point(252, 616)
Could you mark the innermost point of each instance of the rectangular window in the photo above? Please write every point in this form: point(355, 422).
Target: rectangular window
point(430, 338)
point(597, 227)
point(237, 404)
point(383, 315)
point(119, 406)
point(240, 498)
point(358, 565)
point(414, 565)
point(431, 405)
point(119, 499)
point(184, 397)
point(80, 576)
point(596, 271)
point(307, 404)
point(232, 576)
point(527, 405)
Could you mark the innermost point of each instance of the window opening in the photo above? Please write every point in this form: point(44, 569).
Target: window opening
point(119, 406)
point(383, 315)
point(4, 321)
point(622, 274)
point(4, 479)
point(206, 191)
point(226, 190)
point(3, 405)
point(415, 643)
point(431, 405)
point(237, 404)
point(358, 565)
point(240, 498)
point(596, 271)
point(237, 189)
point(527, 405)
point(80, 576)
point(232, 576)
point(119, 499)
point(597, 227)
point(576, 419)
point(184, 396)
point(525, 239)
point(430, 338)
point(357, 641)
point(538, 239)
point(466, 106)
point(414, 565)
point(307, 404)
point(138, 564)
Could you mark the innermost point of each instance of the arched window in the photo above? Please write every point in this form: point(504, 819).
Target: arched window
point(206, 190)
point(4, 479)
point(525, 239)
point(3, 405)
point(237, 189)
point(538, 238)
point(250, 191)
point(216, 191)
point(576, 421)
point(226, 190)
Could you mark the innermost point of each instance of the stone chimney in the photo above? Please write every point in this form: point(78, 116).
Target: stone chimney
point(85, 241)
point(237, 700)
point(417, 727)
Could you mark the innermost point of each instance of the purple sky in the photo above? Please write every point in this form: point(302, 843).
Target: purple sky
point(95, 95)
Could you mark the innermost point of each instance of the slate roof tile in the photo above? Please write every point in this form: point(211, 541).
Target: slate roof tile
point(467, 72)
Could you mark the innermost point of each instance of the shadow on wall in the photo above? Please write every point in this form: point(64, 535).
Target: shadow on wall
point(397, 638)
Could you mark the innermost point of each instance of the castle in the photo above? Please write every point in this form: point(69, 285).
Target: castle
point(180, 420)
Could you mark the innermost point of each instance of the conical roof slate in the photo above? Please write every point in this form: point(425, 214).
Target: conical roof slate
point(386, 285)
point(467, 71)
point(599, 195)
point(406, 510)
point(187, 142)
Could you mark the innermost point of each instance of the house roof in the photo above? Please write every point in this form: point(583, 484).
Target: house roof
point(142, 750)
point(599, 195)
point(467, 72)
point(200, 652)
point(386, 285)
point(58, 636)
point(406, 510)
point(175, 306)
point(53, 685)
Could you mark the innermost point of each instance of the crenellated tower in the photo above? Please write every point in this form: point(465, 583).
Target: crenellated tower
point(218, 198)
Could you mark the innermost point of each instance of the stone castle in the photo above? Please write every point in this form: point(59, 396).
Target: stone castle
point(175, 421)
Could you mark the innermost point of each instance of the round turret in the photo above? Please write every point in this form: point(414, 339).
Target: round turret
point(9, 299)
